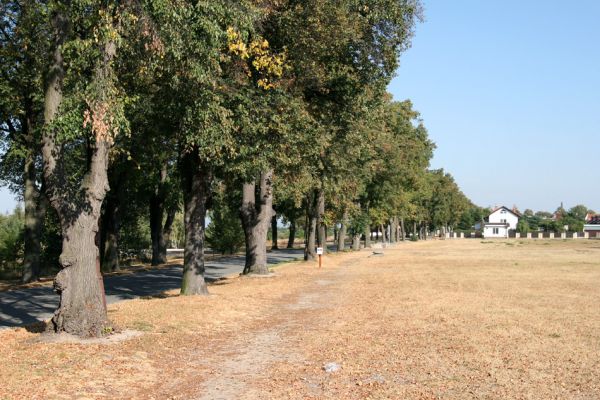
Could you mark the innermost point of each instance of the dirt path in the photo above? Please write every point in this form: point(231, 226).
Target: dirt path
point(245, 375)
point(452, 320)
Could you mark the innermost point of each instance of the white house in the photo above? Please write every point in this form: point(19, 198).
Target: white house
point(500, 222)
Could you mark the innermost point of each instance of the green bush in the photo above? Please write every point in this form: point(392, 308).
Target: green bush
point(224, 234)
point(11, 241)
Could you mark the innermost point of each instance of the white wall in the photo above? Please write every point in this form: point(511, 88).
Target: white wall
point(503, 214)
point(488, 232)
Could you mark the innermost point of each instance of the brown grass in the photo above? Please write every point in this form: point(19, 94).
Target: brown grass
point(444, 319)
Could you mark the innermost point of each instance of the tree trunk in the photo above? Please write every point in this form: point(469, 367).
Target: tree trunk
point(82, 309)
point(321, 227)
point(82, 306)
point(274, 232)
point(35, 205)
point(367, 237)
point(165, 238)
point(393, 230)
point(256, 217)
point(157, 212)
point(356, 243)
point(341, 239)
point(311, 227)
point(402, 229)
point(310, 250)
point(111, 224)
point(292, 237)
point(156, 232)
point(195, 186)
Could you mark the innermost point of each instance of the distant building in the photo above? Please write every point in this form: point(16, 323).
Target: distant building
point(500, 222)
point(592, 225)
point(589, 217)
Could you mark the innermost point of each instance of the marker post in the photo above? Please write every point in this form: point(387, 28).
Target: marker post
point(320, 254)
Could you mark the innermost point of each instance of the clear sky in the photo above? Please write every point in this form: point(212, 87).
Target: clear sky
point(510, 92)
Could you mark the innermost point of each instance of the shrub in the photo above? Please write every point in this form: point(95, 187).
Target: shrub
point(224, 234)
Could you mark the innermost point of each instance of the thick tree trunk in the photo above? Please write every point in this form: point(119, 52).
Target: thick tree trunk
point(111, 225)
point(341, 239)
point(311, 227)
point(367, 237)
point(311, 244)
point(34, 198)
point(321, 227)
point(256, 217)
point(35, 211)
point(356, 242)
point(274, 245)
point(165, 238)
point(156, 232)
point(402, 231)
point(82, 309)
point(195, 186)
point(393, 230)
point(110, 222)
point(157, 212)
point(82, 306)
point(292, 237)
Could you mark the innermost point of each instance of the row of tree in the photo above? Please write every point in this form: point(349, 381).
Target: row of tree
point(561, 220)
point(116, 112)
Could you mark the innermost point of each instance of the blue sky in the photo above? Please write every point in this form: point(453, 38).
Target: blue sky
point(510, 93)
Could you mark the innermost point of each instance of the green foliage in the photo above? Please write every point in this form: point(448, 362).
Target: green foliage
point(11, 242)
point(470, 217)
point(293, 87)
point(359, 221)
point(224, 233)
point(523, 226)
point(543, 220)
point(578, 212)
point(135, 234)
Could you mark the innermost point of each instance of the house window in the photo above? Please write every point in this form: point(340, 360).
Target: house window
point(496, 231)
point(503, 221)
point(503, 212)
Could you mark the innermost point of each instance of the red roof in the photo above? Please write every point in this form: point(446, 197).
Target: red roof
point(518, 214)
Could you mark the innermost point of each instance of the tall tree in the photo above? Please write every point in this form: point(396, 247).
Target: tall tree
point(23, 52)
point(83, 113)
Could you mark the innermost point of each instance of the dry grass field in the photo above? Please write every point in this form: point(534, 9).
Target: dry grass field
point(463, 319)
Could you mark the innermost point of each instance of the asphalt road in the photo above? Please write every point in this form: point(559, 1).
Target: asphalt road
point(25, 306)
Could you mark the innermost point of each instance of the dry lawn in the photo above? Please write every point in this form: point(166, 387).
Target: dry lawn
point(440, 319)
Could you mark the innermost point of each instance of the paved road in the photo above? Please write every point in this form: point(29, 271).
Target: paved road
point(25, 306)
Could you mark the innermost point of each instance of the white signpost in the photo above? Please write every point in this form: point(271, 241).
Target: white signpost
point(320, 254)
